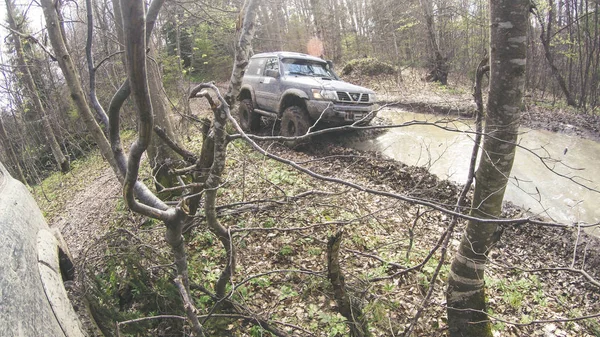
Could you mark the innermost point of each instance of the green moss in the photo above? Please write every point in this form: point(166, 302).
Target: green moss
point(368, 67)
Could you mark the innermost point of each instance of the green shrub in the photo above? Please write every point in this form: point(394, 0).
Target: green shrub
point(368, 67)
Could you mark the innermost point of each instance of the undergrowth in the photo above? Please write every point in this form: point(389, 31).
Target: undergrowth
point(281, 250)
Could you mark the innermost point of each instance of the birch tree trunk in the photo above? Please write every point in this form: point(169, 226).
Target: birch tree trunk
point(508, 46)
point(243, 49)
point(61, 160)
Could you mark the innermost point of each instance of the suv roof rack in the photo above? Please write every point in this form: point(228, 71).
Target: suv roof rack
point(287, 54)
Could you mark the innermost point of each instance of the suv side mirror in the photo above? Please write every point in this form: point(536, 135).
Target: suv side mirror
point(272, 73)
point(330, 64)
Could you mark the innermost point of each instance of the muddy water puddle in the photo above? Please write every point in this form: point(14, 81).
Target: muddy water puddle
point(554, 174)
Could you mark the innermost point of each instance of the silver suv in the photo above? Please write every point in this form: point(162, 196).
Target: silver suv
point(300, 90)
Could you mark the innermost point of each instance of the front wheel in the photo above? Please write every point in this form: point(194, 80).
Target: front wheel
point(295, 123)
point(249, 119)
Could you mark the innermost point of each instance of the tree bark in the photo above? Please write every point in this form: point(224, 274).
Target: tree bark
point(242, 51)
point(438, 63)
point(160, 155)
point(350, 309)
point(61, 160)
point(14, 160)
point(508, 46)
point(56, 37)
point(545, 36)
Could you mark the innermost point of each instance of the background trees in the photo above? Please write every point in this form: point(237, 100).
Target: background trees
point(198, 41)
point(194, 42)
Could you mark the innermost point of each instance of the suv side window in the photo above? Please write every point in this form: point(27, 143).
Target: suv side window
point(272, 63)
point(254, 67)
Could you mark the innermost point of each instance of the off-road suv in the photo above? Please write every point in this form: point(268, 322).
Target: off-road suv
point(300, 90)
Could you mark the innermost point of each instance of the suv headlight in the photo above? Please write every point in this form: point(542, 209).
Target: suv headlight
point(324, 94)
point(372, 98)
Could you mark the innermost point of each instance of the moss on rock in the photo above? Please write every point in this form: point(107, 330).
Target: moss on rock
point(368, 66)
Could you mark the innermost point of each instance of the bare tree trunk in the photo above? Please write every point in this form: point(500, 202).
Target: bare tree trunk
point(135, 51)
point(56, 37)
point(91, 65)
point(10, 151)
point(348, 307)
point(545, 37)
point(61, 160)
point(508, 48)
point(438, 63)
point(242, 50)
point(160, 155)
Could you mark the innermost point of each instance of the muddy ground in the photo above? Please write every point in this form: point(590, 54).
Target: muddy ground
point(87, 218)
point(556, 253)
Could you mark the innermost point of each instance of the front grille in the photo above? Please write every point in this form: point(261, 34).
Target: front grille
point(343, 96)
point(352, 97)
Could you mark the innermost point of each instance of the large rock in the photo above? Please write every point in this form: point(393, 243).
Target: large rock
point(33, 300)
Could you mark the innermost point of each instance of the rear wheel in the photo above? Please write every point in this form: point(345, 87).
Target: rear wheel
point(249, 119)
point(294, 123)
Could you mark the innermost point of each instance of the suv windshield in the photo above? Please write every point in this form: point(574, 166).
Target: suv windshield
point(306, 68)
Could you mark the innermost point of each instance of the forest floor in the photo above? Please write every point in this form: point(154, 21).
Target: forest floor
point(534, 280)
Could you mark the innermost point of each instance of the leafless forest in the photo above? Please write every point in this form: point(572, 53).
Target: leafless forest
point(215, 232)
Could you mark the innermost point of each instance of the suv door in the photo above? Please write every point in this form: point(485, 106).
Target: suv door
point(267, 89)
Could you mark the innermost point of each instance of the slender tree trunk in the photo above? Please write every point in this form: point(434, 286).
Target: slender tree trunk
point(348, 307)
point(183, 85)
point(545, 37)
point(438, 64)
point(92, 67)
point(242, 50)
point(10, 152)
point(56, 37)
point(61, 160)
point(508, 48)
point(160, 155)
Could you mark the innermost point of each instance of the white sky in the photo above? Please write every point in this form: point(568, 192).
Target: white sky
point(34, 14)
point(36, 22)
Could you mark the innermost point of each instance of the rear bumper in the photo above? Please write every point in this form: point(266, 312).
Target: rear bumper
point(341, 114)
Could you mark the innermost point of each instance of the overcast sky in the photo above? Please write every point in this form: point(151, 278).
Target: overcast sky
point(36, 22)
point(34, 14)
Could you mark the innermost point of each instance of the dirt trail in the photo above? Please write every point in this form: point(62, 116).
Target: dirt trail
point(88, 212)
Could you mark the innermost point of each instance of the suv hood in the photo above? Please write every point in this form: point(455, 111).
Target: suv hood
point(318, 82)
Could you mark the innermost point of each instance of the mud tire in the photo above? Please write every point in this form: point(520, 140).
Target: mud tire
point(249, 119)
point(294, 123)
